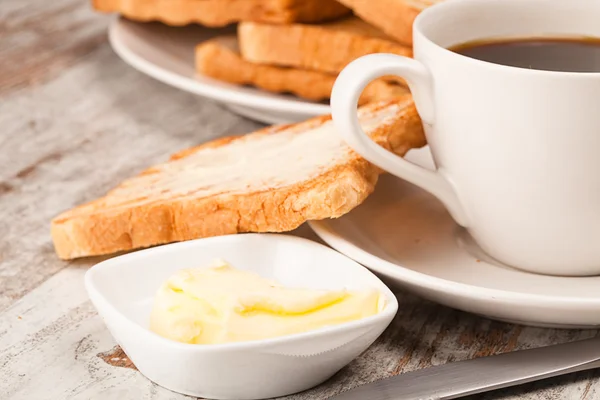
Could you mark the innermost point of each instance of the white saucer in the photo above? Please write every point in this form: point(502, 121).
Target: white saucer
point(405, 235)
point(167, 54)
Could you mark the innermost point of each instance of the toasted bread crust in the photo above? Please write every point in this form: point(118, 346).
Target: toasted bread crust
point(218, 60)
point(217, 13)
point(394, 17)
point(100, 227)
point(326, 47)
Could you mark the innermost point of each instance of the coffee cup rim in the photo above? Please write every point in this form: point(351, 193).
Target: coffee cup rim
point(420, 37)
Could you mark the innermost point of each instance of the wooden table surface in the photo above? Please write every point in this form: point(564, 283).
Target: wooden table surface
point(74, 121)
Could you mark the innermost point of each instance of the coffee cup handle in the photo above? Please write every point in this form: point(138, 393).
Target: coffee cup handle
point(344, 99)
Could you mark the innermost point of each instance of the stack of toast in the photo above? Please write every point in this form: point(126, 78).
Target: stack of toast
point(289, 46)
point(230, 185)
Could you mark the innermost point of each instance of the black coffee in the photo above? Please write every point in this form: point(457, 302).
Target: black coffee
point(550, 54)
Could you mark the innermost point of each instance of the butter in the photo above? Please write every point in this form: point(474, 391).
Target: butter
point(223, 304)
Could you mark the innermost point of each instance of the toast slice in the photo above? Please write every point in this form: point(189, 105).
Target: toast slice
point(271, 180)
point(219, 58)
point(216, 13)
point(394, 17)
point(325, 47)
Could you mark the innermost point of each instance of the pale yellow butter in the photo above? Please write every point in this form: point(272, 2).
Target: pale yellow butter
point(223, 304)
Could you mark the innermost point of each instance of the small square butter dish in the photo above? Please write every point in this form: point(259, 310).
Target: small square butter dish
point(123, 288)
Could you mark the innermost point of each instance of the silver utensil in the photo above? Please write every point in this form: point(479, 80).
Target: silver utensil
point(462, 378)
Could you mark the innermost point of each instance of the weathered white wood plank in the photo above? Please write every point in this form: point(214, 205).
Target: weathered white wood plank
point(89, 130)
point(51, 346)
point(74, 121)
point(53, 341)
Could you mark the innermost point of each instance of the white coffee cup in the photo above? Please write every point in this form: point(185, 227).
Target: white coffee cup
point(517, 150)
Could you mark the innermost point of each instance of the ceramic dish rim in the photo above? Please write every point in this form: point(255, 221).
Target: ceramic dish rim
point(226, 95)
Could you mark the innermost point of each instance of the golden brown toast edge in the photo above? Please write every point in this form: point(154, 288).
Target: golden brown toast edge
point(216, 13)
point(320, 47)
point(394, 17)
point(221, 62)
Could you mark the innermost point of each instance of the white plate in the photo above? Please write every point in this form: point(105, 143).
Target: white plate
point(406, 235)
point(122, 289)
point(167, 54)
